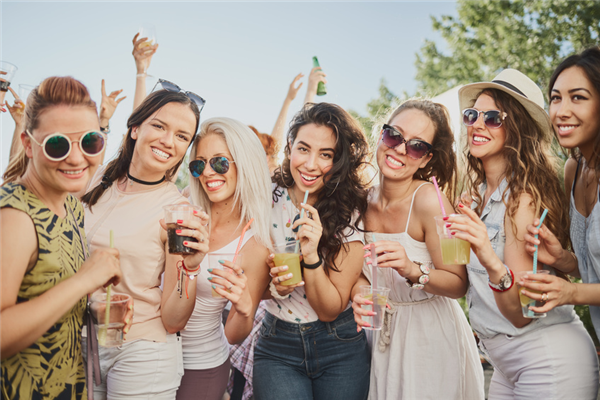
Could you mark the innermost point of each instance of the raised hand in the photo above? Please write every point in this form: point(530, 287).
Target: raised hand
point(549, 248)
point(142, 53)
point(293, 90)
point(109, 104)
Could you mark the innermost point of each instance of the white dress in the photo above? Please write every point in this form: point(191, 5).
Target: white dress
point(426, 349)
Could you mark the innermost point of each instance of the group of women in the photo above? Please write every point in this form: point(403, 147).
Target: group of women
point(311, 344)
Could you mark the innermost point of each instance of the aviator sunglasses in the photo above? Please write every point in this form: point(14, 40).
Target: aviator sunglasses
point(57, 146)
point(415, 148)
point(218, 164)
point(491, 118)
point(171, 87)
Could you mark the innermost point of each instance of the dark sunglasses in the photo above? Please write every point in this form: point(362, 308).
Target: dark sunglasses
point(57, 146)
point(491, 118)
point(171, 87)
point(218, 164)
point(415, 148)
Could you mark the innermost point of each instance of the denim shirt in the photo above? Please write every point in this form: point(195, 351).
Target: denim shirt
point(486, 319)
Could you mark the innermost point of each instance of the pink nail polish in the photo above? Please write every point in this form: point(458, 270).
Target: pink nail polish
point(180, 221)
point(448, 225)
point(445, 218)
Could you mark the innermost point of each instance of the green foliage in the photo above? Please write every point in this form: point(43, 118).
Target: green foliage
point(183, 177)
point(532, 36)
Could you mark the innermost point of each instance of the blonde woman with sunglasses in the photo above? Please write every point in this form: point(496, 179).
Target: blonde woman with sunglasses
point(45, 274)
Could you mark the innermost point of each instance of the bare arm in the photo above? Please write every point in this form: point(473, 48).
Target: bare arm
point(142, 54)
point(316, 76)
point(24, 323)
point(279, 128)
point(17, 112)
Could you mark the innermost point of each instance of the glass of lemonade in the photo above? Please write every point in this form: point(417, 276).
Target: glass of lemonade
point(285, 255)
point(109, 333)
point(454, 251)
point(526, 301)
point(379, 298)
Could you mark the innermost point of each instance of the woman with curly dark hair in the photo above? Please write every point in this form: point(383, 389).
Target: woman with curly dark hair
point(309, 346)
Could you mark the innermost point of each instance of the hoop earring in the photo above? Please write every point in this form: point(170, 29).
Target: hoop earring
point(336, 185)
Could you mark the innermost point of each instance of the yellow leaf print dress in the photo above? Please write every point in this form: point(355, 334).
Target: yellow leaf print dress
point(52, 367)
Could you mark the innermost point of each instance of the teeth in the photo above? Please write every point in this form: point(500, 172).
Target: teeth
point(566, 127)
point(394, 161)
point(160, 153)
point(72, 172)
point(215, 184)
point(480, 139)
point(309, 178)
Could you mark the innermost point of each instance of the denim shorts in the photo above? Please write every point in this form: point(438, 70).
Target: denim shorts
point(315, 360)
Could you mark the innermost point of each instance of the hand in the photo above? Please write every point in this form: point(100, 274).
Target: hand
point(234, 287)
point(128, 320)
point(391, 254)
point(109, 105)
point(465, 198)
point(101, 269)
point(293, 90)
point(309, 233)
point(17, 111)
point(277, 280)
point(142, 53)
point(558, 291)
point(198, 229)
point(316, 76)
point(359, 312)
point(549, 248)
point(474, 231)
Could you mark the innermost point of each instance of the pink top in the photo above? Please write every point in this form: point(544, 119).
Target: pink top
point(133, 217)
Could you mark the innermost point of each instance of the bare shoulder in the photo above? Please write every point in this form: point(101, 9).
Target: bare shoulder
point(254, 252)
point(524, 216)
point(570, 170)
point(426, 202)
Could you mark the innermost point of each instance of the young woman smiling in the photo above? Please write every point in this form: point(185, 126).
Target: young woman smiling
point(230, 179)
point(574, 110)
point(309, 346)
point(128, 197)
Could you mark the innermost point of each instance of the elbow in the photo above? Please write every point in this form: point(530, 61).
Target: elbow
point(174, 329)
point(520, 323)
point(327, 316)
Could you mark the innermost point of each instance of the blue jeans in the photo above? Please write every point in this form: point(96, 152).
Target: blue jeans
point(316, 360)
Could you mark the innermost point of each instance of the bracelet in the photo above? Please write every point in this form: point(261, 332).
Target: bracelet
point(423, 279)
point(190, 275)
point(506, 281)
point(312, 266)
point(106, 130)
point(274, 292)
point(140, 75)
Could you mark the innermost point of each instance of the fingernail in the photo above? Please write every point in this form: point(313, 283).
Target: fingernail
point(357, 328)
point(125, 330)
point(284, 267)
point(221, 262)
point(460, 205)
point(372, 313)
point(366, 247)
point(368, 302)
point(289, 276)
point(185, 243)
point(388, 306)
point(367, 325)
point(210, 270)
point(209, 278)
point(131, 307)
point(126, 320)
point(301, 283)
point(180, 221)
point(213, 286)
point(369, 262)
point(367, 255)
point(178, 231)
point(452, 233)
point(195, 212)
point(445, 218)
point(448, 225)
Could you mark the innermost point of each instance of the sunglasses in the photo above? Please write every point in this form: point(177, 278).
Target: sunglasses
point(171, 87)
point(57, 146)
point(218, 164)
point(491, 119)
point(415, 148)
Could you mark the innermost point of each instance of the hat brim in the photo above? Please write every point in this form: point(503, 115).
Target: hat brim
point(468, 94)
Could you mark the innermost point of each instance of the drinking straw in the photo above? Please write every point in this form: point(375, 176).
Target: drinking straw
point(108, 290)
point(297, 248)
point(373, 270)
point(239, 246)
point(536, 246)
point(439, 195)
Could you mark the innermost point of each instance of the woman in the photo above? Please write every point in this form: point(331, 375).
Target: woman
point(424, 331)
point(45, 282)
point(512, 178)
point(128, 197)
point(232, 184)
point(574, 108)
point(308, 346)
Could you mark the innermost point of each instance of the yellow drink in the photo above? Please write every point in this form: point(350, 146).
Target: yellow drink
point(455, 251)
point(525, 300)
point(292, 260)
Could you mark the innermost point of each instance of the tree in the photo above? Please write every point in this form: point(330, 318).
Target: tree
point(532, 36)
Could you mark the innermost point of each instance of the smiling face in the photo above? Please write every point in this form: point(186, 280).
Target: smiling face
point(485, 143)
point(218, 187)
point(162, 141)
point(73, 173)
point(394, 162)
point(574, 109)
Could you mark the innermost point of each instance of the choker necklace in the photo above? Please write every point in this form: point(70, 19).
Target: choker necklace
point(132, 179)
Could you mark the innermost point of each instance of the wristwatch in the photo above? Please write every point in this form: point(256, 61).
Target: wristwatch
point(505, 283)
point(423, 279)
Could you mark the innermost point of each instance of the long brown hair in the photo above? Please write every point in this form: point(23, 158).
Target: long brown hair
point(52, 92)
point(119, 167)
point(531, 167)
point(443, 161)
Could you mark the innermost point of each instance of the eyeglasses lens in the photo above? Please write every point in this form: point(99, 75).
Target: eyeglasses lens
point(57, 147)
point(490, 118)
point(414, 148)
point(92, 143)
point(218, 164)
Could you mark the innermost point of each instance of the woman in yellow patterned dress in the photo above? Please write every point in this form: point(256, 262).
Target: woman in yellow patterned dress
point(45, 276)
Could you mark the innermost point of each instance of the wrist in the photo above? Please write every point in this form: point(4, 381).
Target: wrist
point(567, 262)
point(311, 258)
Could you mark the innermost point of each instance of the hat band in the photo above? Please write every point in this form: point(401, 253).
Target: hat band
point(511, 87)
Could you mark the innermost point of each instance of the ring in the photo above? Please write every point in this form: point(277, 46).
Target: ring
point(242, 271)
point(278, 279)
point(544, 297)
point(229, 288)
point(201, 239)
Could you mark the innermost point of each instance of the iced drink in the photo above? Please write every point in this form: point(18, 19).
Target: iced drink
point(379, 298)
point(109, 333)
point(285, 254)
point(526, 301)
point(454, 251)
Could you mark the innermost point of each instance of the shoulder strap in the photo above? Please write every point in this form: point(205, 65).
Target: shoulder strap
point(411, 204)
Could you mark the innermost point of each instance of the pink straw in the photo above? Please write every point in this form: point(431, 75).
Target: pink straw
point(373, 268)
point(439, 194)
point(242, 239)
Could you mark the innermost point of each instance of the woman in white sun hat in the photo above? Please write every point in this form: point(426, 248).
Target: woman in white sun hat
point(512, 178)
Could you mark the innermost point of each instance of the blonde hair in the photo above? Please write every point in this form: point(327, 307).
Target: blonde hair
point(253, 189)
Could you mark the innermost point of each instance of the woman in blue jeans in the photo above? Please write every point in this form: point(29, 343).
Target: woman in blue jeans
point(309, 347)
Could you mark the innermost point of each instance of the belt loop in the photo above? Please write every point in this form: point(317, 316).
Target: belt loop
point(329, 328)
point(273, 330)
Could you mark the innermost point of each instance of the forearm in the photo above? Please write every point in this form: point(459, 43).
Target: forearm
point(322, 295)
point(279, 128)
point(140, 90)
point(568, 264)
point(15, 144)
point(176, 310)
point(310, 96)
point(444, 283)
point(238, 327)
point(586, 293)
point(24, 323)
point(508, 301)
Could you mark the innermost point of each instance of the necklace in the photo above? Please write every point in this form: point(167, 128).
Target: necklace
point(132, 179)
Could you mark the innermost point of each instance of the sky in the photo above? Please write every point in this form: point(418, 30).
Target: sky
point(239, 56)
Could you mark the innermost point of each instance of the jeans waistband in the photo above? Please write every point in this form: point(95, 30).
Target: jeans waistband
point(314, 326)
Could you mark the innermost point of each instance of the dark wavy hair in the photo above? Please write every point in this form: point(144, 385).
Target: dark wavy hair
point(344, 193)
point(589, 61)
point(119, 167)
point(443, 161)
point(531, 167)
